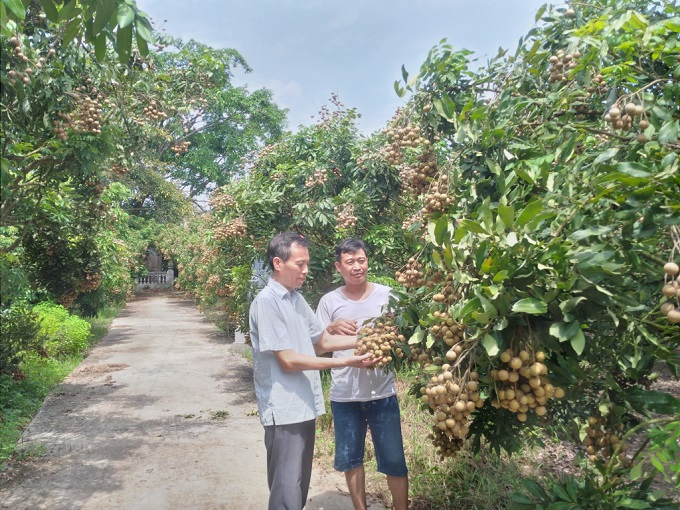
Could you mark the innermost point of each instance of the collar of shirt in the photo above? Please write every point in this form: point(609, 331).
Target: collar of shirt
point(281, 291)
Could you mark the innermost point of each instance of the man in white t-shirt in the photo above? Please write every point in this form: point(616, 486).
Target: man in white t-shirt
point(362, 398)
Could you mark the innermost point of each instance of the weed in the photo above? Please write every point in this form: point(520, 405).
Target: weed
point(219, 415)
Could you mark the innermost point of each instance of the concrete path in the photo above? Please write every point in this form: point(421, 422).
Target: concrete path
point(160, 415)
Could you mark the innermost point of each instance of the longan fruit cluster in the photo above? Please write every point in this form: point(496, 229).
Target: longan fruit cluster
point(414, 219)
point(16, 75)
point(58, 128)
point(98, 187)
point(24, 77)
point(152, 111)
point(91, 282)
point(67, 298)
point(318, 178)
point(393, 155)
point(18, 49)
point(88, 114)
point(561, 64)
point(220, 200)
point(119, 169)
point(412, 276)
point(452, 399)
point(400, 137)
point(86, 117)
point(522, 383)
point(671, 290)
point(597, 85)
point(602, 443)
point(345, 216)
point(405, 136)
point(212, 281)
point(447, 291)
point(234, 229)
point(425, 356)
point(438, 198)
point(179, 148)
point(450, 331)
point(415, 179)
point(622, 117)
point(226, 290)
point(380, 340)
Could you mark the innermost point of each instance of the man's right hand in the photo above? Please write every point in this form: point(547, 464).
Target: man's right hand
point(342, 327)
point(364, 361)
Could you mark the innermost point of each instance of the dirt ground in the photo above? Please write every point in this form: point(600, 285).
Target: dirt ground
point(160, 415)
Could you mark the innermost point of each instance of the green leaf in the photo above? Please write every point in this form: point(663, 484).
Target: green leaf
point(417, 336)
point(50, 10)
point(533, 487)
point(125, 15)
point(16, 8)
point(69, 11)
point(652, 400)
point(429, 341)
point(507, 214)
point(144, 28)
point(636, 472)
point(100, 47)
point(124, 43)
point(440, 229)
point(634, 169)
point(578, 342)
point(142, 45)
point(559, 491)
point(605, 156)
point(490, 344)
point(632, 503)
point(528, 213)
point(669, 132)
point(103, 15)
point(474, 305)
point(540, 12)
point(70, 31)
point(472, 226)
point(500, 276)
point(533, 306)
point(564, 331)
point(599, 230)
point(494, 167)
point(571, 304)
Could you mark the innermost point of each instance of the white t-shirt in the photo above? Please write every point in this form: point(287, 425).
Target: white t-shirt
point(356, 384)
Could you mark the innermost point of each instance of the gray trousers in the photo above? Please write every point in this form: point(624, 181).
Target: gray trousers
point(290, 451)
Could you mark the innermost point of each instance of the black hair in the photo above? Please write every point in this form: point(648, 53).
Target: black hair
point(280, 244)
point(350, 245)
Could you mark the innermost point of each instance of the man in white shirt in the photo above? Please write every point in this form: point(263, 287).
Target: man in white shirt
point(362, 398)
point(286, 337)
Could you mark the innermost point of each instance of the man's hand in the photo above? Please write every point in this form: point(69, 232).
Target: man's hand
point(342, 327)
point(363, 361)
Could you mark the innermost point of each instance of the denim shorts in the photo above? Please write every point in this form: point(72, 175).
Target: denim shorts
point(351, 420)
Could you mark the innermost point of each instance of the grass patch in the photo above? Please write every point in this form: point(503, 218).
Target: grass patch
point(21, 399)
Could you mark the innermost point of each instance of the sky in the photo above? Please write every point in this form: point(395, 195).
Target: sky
point(306, 50)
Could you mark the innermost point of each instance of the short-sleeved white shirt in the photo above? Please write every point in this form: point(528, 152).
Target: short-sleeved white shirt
point(281, 320)
point(350, 384)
